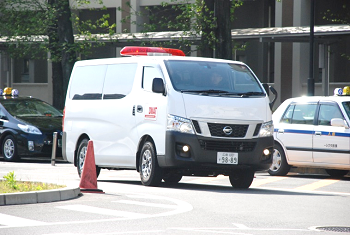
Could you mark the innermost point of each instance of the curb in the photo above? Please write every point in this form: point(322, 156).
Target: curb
point(39, 196)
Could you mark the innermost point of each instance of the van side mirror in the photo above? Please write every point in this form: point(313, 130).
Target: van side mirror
point(274, 92)
point(158, 86)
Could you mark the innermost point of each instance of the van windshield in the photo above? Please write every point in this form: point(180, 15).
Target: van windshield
point(213, 78)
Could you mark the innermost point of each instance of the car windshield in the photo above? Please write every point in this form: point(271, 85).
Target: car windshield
point(346, 106)
point(21, 108)
point(224, 79)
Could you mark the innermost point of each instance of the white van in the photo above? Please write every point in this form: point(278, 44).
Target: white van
point(169, 116)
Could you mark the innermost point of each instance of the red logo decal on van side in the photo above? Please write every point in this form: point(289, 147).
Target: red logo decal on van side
point(152, 113)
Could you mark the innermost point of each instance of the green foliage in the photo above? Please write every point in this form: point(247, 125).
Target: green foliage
point(11, 185)
point(30, 28)
point(342, 17)
point(190, 18)
point(10, 179)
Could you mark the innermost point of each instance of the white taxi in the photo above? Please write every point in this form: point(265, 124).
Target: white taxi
point(313, 132)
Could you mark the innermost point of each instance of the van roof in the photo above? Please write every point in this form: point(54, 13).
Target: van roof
point(148, 58)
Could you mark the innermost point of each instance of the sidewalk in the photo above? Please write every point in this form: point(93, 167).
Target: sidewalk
point(39, 196)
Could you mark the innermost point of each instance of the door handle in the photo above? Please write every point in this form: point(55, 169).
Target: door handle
point(280, 131)
point(318, 133)
point(139, 108)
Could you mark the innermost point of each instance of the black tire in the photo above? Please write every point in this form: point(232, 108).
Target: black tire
point(9, 149)
point(150, 172)
point(171, 178)
point(336, 173)
point(242, 179)
point(81, 153)
point(279, 165)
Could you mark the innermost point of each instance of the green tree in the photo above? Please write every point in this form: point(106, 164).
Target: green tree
point(34, 28)
point(208, 18)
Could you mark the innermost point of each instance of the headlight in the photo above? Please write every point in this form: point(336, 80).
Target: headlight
point(180, 124)
point(30, 129)
point(266, 129)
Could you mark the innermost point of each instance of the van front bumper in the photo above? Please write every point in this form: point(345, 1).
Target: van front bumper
point(202, 154)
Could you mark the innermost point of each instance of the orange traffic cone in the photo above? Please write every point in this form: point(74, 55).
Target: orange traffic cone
point(88, 180)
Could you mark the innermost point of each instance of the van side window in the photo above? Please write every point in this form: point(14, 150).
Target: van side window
point(87, 82)
point(149, 73)
point(327, 112)
point(119, 80)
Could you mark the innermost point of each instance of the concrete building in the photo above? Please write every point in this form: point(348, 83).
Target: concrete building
point(275, 35)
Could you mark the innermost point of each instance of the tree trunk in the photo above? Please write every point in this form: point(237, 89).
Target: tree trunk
point(206, 49)
point(66, 39)
point(223, 48)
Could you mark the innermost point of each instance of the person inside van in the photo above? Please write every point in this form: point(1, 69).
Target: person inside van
point(216, 80)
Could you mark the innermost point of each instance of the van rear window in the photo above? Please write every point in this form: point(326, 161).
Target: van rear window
point(95, 82)
point(87, 82)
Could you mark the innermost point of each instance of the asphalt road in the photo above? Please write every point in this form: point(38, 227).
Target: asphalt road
point(295, 204)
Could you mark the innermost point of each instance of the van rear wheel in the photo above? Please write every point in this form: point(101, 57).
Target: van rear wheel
point(150, 172)
point(336, 173)
point(81, 153)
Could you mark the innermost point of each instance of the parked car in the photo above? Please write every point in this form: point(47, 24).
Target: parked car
point(27, 126)
point(312, 132)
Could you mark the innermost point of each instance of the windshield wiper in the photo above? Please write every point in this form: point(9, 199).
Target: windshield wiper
point(252, 93)
point(206, 91)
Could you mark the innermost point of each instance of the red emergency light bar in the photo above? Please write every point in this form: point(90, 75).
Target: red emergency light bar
point(132, 51)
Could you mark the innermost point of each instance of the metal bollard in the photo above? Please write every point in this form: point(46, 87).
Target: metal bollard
point(54, 146)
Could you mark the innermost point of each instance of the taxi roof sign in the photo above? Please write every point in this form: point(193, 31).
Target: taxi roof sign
point(146, 51)
point(342, 91)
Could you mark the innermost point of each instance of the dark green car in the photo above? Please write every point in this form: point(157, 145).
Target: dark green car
point(27, 126)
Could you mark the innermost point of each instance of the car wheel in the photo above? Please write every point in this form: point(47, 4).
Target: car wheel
point(279, 165)
point(242, 179)
point(172, 178)
point(81, 153)
point(9, 149)
point(336, 173)
point(150, 172)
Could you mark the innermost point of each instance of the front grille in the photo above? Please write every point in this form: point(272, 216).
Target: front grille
point(218, 130)
point(227, 146)
point(257, 129)
point(196, 126)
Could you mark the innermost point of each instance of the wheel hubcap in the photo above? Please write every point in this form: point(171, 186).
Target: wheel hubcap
point(81, 157)
point(9, 148)
point(146, 164)
point(276, 161)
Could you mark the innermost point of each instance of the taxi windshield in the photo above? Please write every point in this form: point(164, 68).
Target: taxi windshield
point(22, 108)
point(213, 78)
point(346, 106)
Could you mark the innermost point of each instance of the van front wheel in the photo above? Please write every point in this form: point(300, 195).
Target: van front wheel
point(81, 153)
point(150, 172)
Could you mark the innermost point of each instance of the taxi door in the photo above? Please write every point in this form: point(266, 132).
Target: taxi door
point(295, 131)
point(330, 143)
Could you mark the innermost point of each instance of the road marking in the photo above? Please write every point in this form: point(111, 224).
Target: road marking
point(130, 202)
point(102, 211)
point(14, 221)
point(317, 184)
point(257, 183)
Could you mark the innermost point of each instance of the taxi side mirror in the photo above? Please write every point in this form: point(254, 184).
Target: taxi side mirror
point(339, 122)
point(158, 86)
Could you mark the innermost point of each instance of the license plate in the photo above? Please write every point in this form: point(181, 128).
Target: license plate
point(227, 158)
